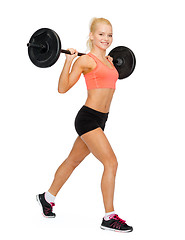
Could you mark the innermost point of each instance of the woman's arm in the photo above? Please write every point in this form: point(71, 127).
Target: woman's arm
point(68, 79)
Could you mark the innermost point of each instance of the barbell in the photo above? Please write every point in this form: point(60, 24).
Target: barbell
point(44, 49)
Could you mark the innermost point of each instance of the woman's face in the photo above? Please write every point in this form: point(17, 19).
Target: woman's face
point(102, 37)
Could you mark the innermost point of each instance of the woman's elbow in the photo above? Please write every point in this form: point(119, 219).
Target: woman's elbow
point(62, 91)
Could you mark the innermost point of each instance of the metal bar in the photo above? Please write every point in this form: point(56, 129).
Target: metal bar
point(68, 52)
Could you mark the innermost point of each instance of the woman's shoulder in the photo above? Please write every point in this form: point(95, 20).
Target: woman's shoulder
point(85, 58)
point(86, 61)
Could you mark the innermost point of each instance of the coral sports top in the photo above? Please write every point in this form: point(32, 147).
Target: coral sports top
point(101, 76)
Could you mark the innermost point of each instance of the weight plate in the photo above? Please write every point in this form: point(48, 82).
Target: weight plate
point(124, 61)
point(49, 54)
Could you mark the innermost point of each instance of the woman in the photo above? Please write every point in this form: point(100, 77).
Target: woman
point(100, 76)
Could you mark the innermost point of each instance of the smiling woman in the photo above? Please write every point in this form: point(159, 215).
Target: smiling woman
point(93, 27)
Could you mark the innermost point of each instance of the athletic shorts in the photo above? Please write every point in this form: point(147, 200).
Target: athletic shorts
point(88, 119)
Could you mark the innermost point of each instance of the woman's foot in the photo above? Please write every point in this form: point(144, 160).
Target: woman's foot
point(47, 208)
point(115, 224)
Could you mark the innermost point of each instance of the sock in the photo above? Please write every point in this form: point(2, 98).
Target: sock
point(49, 197)
point(109, 215)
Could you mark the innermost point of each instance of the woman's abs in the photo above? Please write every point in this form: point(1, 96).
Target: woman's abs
point(100, 99)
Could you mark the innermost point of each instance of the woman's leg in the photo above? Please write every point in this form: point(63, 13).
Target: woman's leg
point(100, 147)
point(76, 156)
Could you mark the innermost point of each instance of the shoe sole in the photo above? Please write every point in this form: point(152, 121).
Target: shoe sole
point(115, 230)
point(38, 200)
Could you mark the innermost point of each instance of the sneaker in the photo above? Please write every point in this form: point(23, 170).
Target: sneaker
point(116, 224)
point(47, 208)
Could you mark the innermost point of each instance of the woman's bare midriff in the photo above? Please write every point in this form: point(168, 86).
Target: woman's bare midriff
point(100, 99)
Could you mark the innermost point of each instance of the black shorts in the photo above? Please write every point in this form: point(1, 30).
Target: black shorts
point(88, 119)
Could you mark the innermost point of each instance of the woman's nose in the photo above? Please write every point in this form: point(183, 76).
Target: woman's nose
point(106, 38)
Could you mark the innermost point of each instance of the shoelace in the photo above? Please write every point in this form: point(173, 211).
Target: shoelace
point(119, 219)
point(52, 205)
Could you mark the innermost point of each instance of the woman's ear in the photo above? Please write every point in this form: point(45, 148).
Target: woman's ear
point(91, 36)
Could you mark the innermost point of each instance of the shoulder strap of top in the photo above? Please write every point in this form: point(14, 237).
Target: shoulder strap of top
point(94, 57)
point(98, 60)
point(111, 62)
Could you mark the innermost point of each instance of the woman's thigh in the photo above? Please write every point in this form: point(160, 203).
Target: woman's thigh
point(79, 151)
point(99, 145)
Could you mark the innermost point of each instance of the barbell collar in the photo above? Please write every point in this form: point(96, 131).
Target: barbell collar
point(36, 45)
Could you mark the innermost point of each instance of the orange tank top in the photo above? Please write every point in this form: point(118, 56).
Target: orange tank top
point(101, 76)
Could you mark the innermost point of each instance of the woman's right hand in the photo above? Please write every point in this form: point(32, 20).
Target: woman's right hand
point(73, 54)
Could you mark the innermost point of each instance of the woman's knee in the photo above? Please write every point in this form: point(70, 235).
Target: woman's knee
point(78, 153)
point(111, 163)
point(75, 160)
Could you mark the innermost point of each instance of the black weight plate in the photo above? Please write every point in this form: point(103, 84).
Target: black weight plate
point(44, 57)
point(124, 61)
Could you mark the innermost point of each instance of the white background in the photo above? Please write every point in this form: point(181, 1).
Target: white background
point(145, 125)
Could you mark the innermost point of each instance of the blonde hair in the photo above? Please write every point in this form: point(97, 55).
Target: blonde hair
point(93, 24)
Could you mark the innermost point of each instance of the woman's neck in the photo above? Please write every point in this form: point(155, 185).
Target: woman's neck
point(98, 52)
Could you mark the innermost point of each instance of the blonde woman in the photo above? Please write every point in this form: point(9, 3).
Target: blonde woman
point(100, 76)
